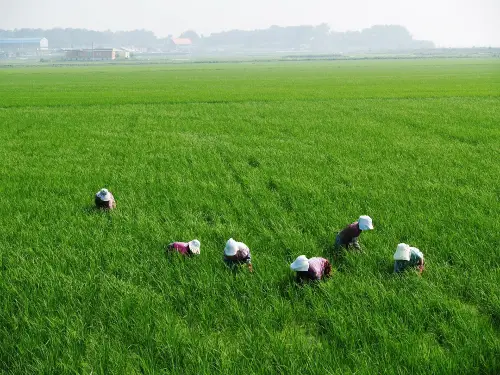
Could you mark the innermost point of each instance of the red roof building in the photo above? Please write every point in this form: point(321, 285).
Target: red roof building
point(182, 41)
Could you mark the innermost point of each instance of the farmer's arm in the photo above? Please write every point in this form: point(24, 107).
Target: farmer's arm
point(248, 260)
point(421, 265)
point(355, 243)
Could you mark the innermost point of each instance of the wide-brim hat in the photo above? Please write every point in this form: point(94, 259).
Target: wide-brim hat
point(402, 252)
point(194, 246)
point(300, 264)
point(104, 195)
point(365, 222)
point(231, 247)
point(416, 251)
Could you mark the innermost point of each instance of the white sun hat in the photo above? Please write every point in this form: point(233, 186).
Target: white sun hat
point(402, 252)
point(104, 195)
point(231, 247)
point(300, 264)
point(417, 251)
point(241, 245)
point(365, 222)
point(194, 246)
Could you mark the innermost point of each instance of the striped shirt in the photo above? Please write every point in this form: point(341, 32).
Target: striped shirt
point(242, 255)
point(316, 271)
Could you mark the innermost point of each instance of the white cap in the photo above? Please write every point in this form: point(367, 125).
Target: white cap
point(104, 195)
point(231, 247)
point(194, 246)
point(402, 252)
point(300, 264)
point(365, 222)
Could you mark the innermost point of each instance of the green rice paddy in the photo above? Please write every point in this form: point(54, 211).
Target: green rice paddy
point(280, 156)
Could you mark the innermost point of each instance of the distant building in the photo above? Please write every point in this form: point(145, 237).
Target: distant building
point(180, 44)
point(122, 53)
point(24, 45)
point(97, 54)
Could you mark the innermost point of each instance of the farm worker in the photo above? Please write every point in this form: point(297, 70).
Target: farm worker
point(185, 248)
point(311, 269)
point(408, 257)
point(236, 253)
point(349, 235)
point(104, 199)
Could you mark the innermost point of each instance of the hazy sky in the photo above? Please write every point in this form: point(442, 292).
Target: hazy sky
point(446, 22)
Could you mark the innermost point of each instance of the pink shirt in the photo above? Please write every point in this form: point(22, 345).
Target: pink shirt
point(181, 247)
point(242, 255)
point(317, 267)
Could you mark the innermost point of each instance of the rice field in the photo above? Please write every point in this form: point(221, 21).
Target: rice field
point(280, 156)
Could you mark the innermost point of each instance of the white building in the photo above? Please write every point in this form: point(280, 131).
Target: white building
point(24, 45)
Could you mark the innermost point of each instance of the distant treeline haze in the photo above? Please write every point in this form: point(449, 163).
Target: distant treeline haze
point(321, 38)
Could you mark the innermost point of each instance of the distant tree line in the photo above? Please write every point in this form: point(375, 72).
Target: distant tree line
point(316, 38)
point(320, 38)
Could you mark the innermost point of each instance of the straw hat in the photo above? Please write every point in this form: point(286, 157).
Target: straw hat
point(194, 246)
point(104, 195)
point(402, 252)
point(300, 264)
point(365, 222)
point(231, 247)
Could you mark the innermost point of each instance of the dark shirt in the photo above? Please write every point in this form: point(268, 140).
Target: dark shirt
point(348, 234)
point(104, 204)
point(416, 260)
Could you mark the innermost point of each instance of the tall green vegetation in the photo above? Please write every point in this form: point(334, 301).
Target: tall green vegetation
point(279, 156)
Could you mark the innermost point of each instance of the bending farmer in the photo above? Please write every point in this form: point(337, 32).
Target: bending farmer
point(349, 235)
point(311, 269)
